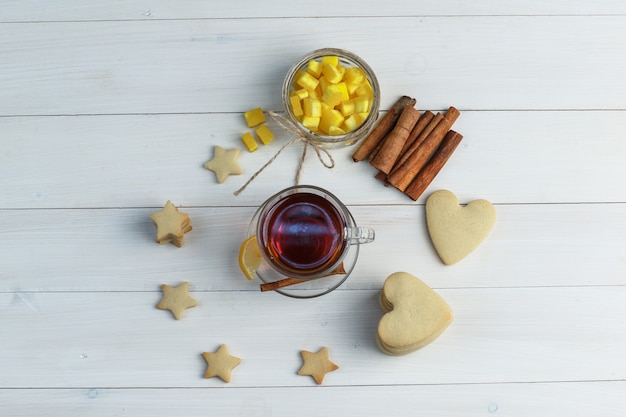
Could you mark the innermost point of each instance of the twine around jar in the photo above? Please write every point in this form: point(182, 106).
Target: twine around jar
point(300, 136)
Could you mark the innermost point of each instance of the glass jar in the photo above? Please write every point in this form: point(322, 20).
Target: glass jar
point(348, 60)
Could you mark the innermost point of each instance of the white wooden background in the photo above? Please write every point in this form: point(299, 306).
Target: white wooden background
point(110, 108)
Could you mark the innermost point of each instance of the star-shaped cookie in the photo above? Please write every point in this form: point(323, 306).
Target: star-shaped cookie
point(176, 299)
point(316, 364)
point(220, 363)
point(171, 225)
point(224, 163)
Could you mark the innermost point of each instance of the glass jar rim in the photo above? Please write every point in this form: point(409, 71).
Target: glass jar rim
point(353, 60)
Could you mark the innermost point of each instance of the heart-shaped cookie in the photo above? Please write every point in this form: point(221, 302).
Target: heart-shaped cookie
point(457, 230)
point(416, 315)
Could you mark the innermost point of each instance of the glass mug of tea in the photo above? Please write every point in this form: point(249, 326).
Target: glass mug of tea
point(307, 234)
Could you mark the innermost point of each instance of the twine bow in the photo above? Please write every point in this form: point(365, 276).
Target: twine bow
point(290, 127)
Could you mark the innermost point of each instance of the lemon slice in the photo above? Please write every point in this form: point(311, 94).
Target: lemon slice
point(249, 257)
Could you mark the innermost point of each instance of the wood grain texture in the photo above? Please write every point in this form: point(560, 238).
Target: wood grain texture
point(183, 66)
point(109, 109)
point(71, 10)
point(499, 335)
point(114, 249)
point(579, 399)
point(141, 161)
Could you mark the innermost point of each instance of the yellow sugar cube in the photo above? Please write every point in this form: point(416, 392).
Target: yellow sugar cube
point(296, 105)
point(249, 142)
point(330, 98)
point(352, 122)
point(311, 123)
point(352, 88)
point(265, 134)
point(330, 59)
point(323, 83)
point(330, 118)
point(346, 107)
point(302, 93)
point(332, 95)
point(297, 76)
point(361, 104)
point(314, 68)
point(365, 90)
point(335, 131)
point(354, 75)
point(333, 73)
point(312, 107)
point(345, 95)
point(254, 117)
point(307, 81)
point(316, 94)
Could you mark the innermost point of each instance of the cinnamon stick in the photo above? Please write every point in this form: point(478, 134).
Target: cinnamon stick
point(452, 114)
point(285, 282)
point(436, 163)
point(382, 142)
point(377, 147)
point(381, 130)
point(275, 285)
point(389, 152)
point(374, 153)
point(434, 121)
point(381, 176)
point(419, 127)
point(403, 176)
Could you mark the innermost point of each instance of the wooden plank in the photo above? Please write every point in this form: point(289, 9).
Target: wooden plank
point(120, 340)
point(141, 161)
point(31, 10)
point(579, 399)
point(114, 250)
point(232, 65)
point(109, 109)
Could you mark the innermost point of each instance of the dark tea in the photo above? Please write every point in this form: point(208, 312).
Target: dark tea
point(303, 234)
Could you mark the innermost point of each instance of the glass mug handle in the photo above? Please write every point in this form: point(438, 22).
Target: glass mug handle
point(360, 235)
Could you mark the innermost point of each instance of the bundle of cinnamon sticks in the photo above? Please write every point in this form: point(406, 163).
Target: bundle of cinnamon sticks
point(409, 148)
